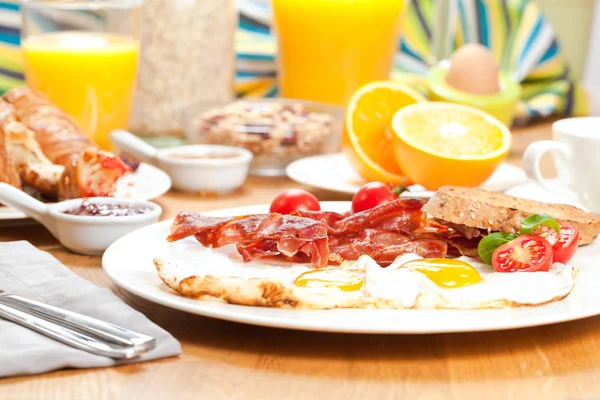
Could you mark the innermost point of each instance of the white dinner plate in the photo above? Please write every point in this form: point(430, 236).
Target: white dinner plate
point(333, 172)
point(147, 183)
point(128, 262)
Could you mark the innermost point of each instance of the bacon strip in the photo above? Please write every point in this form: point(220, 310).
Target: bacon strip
point(383, 246)
point(383, 233)
point(402, 215)
point(258, 236)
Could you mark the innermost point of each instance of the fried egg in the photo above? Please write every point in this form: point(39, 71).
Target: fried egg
point(410, 282)
point(463, 284)
point(212, 274)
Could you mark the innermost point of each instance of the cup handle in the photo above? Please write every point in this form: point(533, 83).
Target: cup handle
point(561, 155)
point(15, 198)
point(134, 145)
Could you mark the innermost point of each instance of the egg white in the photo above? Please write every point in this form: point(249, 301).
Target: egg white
point(218, 275)
point(211, 274)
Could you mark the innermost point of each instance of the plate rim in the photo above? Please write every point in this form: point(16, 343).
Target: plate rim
point(240, 314)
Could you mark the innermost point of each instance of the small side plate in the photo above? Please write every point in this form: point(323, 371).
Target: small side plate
point(333, 172)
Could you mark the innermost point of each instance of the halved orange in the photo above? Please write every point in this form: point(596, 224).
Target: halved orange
point(368, 138)
point(441, 144)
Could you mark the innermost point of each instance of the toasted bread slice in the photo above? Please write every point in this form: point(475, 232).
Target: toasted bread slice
point(498, 212)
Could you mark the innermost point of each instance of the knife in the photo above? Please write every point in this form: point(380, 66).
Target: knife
point(77, 330)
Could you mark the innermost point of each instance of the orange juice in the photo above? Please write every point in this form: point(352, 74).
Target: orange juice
point(91, 76)
point(329, 48)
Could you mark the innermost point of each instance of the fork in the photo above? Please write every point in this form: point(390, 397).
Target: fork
point(76, 330)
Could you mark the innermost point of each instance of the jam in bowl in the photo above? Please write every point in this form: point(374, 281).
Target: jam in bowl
point(89, 209)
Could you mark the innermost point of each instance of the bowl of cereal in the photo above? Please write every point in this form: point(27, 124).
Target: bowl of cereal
point(277, 131)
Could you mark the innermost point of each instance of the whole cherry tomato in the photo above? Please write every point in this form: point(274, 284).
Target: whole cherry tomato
point(564, 243)
point(526, 253)
point(292, 200)
point(371, 195)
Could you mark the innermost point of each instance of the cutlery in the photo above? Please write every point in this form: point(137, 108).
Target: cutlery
point(79, 331)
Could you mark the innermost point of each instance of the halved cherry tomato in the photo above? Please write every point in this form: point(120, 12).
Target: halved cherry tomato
point(564, 244)
point(371, 195)
point(526, 253)
point(292, 200)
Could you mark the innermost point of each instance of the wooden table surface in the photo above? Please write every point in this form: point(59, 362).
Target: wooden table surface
point(224, 360)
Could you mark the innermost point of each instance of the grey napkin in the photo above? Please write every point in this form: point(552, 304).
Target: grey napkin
point(29, 272)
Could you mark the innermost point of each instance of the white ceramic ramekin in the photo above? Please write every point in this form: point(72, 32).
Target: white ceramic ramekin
point(89, 235)
point(210, 173)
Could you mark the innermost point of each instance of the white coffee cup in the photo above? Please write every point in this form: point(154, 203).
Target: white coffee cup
point(576, 154)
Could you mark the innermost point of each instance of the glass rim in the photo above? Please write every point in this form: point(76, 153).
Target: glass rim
point(82, 4)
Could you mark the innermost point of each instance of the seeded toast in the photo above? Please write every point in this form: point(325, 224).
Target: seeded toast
point(498, 212)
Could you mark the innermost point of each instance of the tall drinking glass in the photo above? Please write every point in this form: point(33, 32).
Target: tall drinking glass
point(83, 55)
point(329, 48)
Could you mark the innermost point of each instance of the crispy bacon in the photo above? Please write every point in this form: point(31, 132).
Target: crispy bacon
point(328, 217)
point(462, 240)
point(384, 233)
point(402, 215)
point(383, 246)
point(462, 246)
point(258, 236)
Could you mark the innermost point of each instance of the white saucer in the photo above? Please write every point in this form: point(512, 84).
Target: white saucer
point(534, 191)
point(333, 172)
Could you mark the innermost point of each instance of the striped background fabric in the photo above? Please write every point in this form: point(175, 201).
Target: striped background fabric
point(518, 35)
point(515, 31)
point(11, 65)
point(255, 50)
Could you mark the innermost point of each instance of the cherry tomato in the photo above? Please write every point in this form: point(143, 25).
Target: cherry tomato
point(371, 195)
point(526, 253)
point(564, 244)
point(292, 200)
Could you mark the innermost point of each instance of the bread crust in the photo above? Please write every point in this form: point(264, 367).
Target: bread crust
point(498, 212)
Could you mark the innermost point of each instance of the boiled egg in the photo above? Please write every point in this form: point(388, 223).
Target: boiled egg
point(474, 70)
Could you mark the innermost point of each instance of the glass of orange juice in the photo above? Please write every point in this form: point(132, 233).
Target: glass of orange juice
point(83, 55)
point(329, 48)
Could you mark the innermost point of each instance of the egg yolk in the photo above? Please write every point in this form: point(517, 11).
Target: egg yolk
point(345, 280)
point(445, 272)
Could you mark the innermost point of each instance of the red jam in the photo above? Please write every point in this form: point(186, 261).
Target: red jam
point(88, 209)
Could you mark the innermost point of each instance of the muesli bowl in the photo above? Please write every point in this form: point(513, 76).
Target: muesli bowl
point(277, 131)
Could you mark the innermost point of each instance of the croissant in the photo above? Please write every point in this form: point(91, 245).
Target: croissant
point(8, 172)
point(88, 171)
point(34, 168)
point(59, 136)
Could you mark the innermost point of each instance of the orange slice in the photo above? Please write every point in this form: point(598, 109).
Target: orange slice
point(441, 144)
point(368, 138)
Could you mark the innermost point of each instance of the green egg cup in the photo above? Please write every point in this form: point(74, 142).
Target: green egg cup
point(501, 106)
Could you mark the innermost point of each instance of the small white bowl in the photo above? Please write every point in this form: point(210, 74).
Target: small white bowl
point(208, 168)
point(89, 235)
